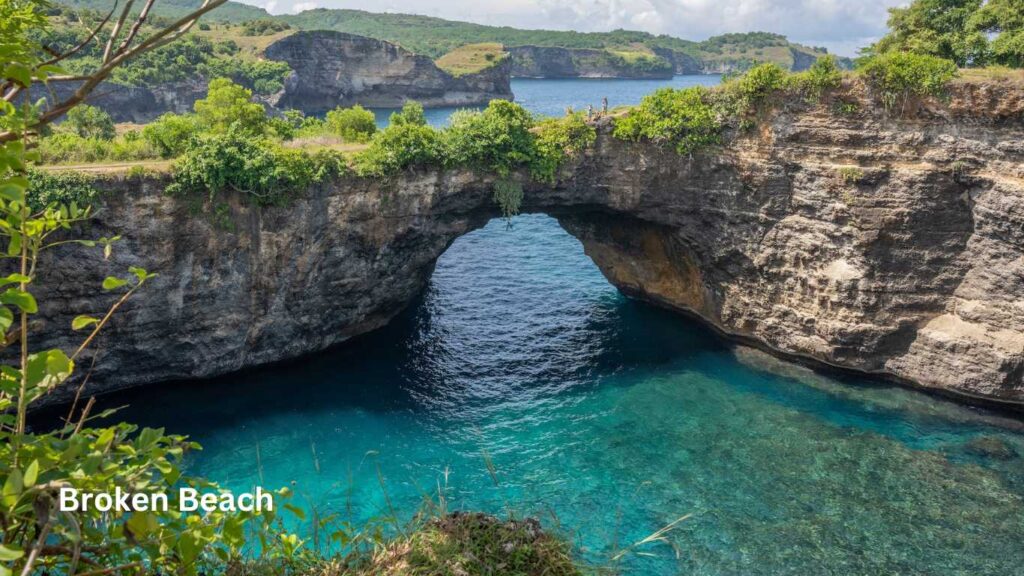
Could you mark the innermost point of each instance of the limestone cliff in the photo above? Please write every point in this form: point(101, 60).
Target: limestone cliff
point(883, 243)
point(553, 62)
point(139, 103)
point(332, 69)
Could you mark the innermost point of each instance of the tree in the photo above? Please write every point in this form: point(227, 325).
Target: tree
point(936, 28)
point(355, 124)
point(411, 113)
point(25, 63)
point(90, 122)
point(36, 537)
point(1003, 19)
point(229, 105)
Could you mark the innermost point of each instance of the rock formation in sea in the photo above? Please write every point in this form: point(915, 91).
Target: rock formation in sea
point(333, 68)
point(889, 243)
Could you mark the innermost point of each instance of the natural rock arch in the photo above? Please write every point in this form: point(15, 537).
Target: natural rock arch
point(855, 241)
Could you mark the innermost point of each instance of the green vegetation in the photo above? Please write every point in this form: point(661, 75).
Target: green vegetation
point(759, 84)
point(38, 214)
point(685, 119)
point(263, 27)
point(90, 122)
point(899, 76)
point(472, 58)
point(850, 174)
point(558, 139)
point(824, 75)
point(496, 139)
point(59, 188)
point(967, 32)
point(170, 134)
point(194, 55)
point(70, 148)
point(399, 147)
point(355, 124)
point(263, 172)
point(228, 105)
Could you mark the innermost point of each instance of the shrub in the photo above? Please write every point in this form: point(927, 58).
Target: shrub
point(90, 122)
point(682, 118)
point(229, 105)
point(822, 76)
point(46, 188)
point(171, 133)
point(558, 139)
point(69, 147)
point(752, 89)
point(411, 113)
point(899, 76)
point(397, 147)
point(265, 173)
point(264, 76)
point(850, 174)
point(355, 124)
point(497, 138)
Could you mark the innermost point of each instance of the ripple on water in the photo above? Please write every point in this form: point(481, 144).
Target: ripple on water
point(618, 418)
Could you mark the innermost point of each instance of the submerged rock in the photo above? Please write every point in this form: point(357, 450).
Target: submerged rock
point(991, 447)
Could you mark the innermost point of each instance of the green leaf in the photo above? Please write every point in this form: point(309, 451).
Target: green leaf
point(12, 192)
point(31, 473)
point(10, 554)
point(15, 279)
point(23, 300)
point(13, 487)
point(19, 73)
point(6, 318)
point(113, 283)
point(142, 524)
point(140, 273)
point(48, 369)
point(82, 321)
point(14, 246)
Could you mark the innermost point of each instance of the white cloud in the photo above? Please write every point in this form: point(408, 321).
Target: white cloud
point(303, 6)
point(841, 25)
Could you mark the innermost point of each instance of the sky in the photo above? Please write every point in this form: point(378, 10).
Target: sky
point(842, 26)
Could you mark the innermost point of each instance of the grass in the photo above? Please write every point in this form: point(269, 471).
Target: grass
point(472, 58)
point(250, 47)
point(991, 73)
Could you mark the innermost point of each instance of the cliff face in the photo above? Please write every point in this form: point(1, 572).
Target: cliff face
point(889, 245)
point(335, 69)
point(550, 62)
point(139, 104)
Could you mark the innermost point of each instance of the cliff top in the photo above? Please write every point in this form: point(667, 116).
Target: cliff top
point(472, 58)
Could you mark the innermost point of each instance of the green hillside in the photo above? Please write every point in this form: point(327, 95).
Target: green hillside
point(230, 12)
point(436, 37)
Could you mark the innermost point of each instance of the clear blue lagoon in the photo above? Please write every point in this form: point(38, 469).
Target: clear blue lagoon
point(616, 418)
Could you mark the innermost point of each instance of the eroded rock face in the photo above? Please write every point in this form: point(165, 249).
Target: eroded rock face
point(136, 103)
point(554, 62)
point(884, 244)
point(332, 69)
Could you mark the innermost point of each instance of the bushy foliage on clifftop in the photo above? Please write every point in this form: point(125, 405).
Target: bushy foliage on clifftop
point(685, 119)
point(899, 76)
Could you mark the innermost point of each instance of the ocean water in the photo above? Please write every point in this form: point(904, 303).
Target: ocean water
point(552, 97)
point(609, 419)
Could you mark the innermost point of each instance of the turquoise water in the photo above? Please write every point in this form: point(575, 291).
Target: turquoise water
point(616, 418)
point(552, 97)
